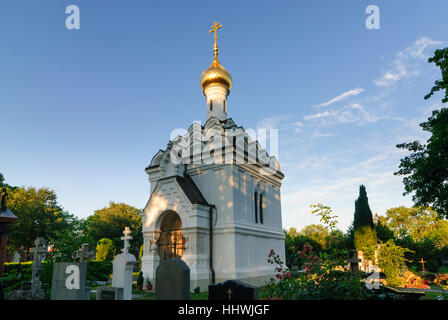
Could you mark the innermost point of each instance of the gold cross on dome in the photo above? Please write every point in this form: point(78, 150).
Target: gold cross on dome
point(214, 29)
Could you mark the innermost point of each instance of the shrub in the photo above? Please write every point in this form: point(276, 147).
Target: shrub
point(443, 269)
point(392, 260)
point(105, 250)
point(323, 280)
point(140, 279)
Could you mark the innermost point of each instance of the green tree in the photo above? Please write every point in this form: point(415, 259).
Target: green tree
point(440, 58)
point(363, 214)
point(415, 222)
point(365, 238)
point(110, 222)
point(105, 250)
point(439, 234)
point(39, 215)
point(316, 232)
point(425, 171)
point(392, 260)
point(293, 243)
point(2, 179)
point(383, 232)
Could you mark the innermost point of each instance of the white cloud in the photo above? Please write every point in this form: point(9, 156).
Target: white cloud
point(348, 114)
point(272, 122)
point(342, 96)
point(404, 64)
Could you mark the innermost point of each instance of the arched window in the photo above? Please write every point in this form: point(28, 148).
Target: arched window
point(211, 105)
point(259, 203)
point(256, 206)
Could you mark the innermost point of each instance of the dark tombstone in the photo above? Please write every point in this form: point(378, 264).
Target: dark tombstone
point(354, 262)
point(172, 280)
point(232, 290)
point(69, 280)
point(109, 293)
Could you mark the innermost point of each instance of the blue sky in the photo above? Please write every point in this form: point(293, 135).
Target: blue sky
point(83, 111)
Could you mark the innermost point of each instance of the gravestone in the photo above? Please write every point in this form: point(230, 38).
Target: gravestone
point(84, 254)
point(109, 293)
point(69, 281)
point(232, 290)
point(172, 280)
point(32, 290)
point(354, 261)
point(123, 265)
point(39, 252)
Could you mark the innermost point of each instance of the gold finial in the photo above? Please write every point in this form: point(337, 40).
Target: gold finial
point(214, 29)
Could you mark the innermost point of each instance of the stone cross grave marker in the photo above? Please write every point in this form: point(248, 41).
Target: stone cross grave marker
point(172, 280)
point(126, 239)
point(123, 265)
point(69, 281)
point(39, 252)
point(232, 290)
point(354, 261)
point(84, 253)
point(31, 290)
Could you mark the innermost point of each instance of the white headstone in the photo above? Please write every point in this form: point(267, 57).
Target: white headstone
point(123, 265)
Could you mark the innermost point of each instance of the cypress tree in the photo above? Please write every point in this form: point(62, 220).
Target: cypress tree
point(363, 214)
point(365, 237)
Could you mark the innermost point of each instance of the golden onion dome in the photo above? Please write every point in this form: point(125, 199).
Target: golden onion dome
point(216, 74)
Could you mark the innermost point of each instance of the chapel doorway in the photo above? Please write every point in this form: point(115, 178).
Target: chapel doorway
point(171, 243)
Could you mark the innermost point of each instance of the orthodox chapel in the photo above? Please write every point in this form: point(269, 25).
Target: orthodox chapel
point(214, 197)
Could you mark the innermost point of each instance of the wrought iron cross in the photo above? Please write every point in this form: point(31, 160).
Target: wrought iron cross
point(423, 264)
point(126, 239)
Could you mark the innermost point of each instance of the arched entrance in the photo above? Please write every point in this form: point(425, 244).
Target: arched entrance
point(171, 243)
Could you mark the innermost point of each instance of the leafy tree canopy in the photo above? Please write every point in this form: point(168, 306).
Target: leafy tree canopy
point(415, 222)
point(39, 215)
point(316, 232)
point(110, 222)
point(440, 58)
point(425, 171)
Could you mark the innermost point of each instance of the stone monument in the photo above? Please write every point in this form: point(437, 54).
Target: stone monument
point(123, 265)
point(32, 290)
point(232, 290)
point(109, 293)
point(172, 280)
point(69, 281)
